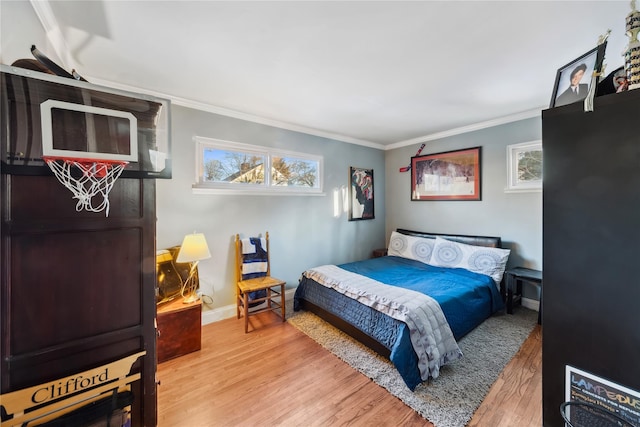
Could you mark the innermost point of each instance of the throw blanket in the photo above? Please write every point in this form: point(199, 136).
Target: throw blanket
point(429, 331)
point(254, 258)
point(250, 244)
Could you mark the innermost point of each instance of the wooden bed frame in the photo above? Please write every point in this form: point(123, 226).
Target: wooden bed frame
point(372, 343)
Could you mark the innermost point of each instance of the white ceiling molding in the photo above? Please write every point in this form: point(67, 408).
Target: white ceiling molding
point(470, 128)
point(283, 125)
point(236, 114)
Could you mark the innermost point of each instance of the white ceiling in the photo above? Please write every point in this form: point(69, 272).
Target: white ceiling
point(378, 73)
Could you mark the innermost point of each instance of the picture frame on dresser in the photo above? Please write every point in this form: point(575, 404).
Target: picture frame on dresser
point(581, 69)
point(449, 175)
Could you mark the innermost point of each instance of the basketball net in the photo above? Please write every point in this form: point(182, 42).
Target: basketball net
point(96, 178)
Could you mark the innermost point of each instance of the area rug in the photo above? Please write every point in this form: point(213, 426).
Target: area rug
point(452, 398)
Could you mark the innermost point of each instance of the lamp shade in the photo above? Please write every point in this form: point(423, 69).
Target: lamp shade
point(194, 248)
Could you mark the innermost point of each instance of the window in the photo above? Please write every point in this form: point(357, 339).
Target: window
point(524, 167)
point(233, 168)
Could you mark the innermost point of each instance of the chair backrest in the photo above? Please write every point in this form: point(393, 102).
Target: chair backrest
point(252, 257)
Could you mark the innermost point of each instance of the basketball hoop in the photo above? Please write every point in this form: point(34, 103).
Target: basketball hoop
point(96, 178)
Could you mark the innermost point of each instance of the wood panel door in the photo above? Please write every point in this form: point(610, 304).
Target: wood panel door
point(77, 287)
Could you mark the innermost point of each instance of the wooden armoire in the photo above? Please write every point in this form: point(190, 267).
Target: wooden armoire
point(591, 253)
point(77, 287)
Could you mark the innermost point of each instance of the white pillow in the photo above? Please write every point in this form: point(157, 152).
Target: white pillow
point(412, 247)
point(488, 261)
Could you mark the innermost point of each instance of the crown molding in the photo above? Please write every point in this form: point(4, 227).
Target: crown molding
point(536, 112)
point(197, 105)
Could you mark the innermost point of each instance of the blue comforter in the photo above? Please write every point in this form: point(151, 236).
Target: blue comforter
point(466, 298)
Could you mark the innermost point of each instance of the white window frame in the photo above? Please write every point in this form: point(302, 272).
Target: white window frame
point(266, 188)
point(514, 185)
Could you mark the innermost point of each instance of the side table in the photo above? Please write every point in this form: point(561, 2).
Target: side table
point(377, 253)
point(179, 329)
point(514, 279)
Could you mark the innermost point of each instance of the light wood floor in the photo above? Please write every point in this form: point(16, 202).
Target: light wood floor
point(276, 375)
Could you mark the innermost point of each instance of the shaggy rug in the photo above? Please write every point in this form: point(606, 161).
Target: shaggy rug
point(451, 399)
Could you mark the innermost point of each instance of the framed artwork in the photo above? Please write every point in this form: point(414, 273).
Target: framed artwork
point(613, 402)
point(573, 80)
point(361, 196)
point(524, 167)
point(451, 175)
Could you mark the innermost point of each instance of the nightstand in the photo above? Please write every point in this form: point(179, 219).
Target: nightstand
point(377, 253)
point(514, 279)
point(179, 329)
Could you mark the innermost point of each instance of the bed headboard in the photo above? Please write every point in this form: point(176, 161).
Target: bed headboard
point(488, 241)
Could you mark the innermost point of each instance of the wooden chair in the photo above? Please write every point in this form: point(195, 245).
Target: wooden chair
point(254, 284)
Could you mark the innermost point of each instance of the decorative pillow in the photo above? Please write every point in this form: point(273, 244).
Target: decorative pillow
point(412, 247)
point(479, 259)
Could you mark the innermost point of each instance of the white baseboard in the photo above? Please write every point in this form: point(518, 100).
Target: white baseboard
point(531, 304)
point(228, 311)
point(217, 314)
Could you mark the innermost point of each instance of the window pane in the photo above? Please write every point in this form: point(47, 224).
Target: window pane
point(236, 167)
point(530, 166)
point(294, 172)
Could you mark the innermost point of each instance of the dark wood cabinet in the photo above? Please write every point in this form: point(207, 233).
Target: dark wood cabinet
point(179, 329)
point(377, 253)
point(591, 242)
point(78, 288)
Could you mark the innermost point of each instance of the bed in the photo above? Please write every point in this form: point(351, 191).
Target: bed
point(413, 305)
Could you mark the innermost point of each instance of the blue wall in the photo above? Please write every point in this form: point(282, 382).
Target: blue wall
point(515, 217)
point(303, 229)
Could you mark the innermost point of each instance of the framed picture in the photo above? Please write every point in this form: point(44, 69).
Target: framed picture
point(614, 402)
point(361, 197)
point(452, 175)
point(524, 167)
point(573, 80)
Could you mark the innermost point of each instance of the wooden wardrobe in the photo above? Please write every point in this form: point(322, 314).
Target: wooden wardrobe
point(591, 230)
point(77, 288)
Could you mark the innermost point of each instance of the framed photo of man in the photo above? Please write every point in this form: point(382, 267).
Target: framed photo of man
point(574, 79)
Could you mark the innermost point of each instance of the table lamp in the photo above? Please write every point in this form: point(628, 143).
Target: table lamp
point(194, 248)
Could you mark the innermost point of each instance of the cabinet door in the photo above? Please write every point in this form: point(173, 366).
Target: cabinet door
point(77, 287)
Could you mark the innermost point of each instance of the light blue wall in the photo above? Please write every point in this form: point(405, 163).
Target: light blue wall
point(303, 229)
point(515, 217)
